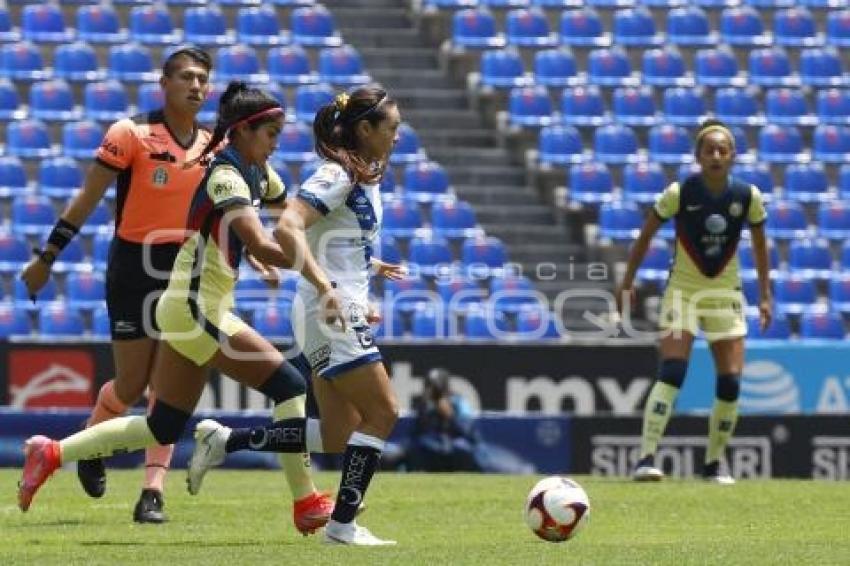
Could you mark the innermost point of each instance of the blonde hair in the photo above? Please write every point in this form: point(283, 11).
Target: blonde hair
point(711, 126)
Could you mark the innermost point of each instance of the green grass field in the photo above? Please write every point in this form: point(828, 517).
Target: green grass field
point(244, 518)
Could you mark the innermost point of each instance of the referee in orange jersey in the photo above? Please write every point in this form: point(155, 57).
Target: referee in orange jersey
point(145, 156)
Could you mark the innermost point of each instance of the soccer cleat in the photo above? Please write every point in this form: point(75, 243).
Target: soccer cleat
point(714, 474)
point(352, 534)
point(41, 458)
point(149, 507)
point(312, 512)
point(210, 440)
point(645, 470)
point(92, 476)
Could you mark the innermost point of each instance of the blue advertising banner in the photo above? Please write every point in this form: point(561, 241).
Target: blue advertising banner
point(810, 377)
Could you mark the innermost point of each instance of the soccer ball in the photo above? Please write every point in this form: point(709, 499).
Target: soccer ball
point(556, 509)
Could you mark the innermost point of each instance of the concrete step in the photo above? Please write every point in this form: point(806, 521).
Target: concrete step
point(474, 157)
point(413, 78)
point(475, 174)
point(549, 238)
point(484, 195)
point(466, 138)
point(400, 58)
point(423, 120)
point(528, 213)
point(370, 16)
point(335, 5)
point(383, 38)
point(433, 99)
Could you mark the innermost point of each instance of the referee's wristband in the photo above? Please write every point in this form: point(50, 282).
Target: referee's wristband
point(63, 232)
point(45, 256)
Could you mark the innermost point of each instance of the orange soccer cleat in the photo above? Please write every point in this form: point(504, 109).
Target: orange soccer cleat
point(312, 512)
point(41, 458)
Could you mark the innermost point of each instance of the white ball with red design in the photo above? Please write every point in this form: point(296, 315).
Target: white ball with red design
point(557, 508)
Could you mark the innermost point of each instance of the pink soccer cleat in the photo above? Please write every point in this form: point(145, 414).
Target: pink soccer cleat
point(41, 458)
point(312, 512)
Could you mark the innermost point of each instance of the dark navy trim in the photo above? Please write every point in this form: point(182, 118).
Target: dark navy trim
point(208, 326)
point(338, 369)
point(314, 201)
point(658, 215)
point(231, 201)
point(277, 200)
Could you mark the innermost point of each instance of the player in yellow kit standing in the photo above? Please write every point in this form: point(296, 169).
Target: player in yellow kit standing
point(703, 292)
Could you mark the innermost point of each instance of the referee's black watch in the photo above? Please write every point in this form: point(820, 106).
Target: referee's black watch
point(45, 256)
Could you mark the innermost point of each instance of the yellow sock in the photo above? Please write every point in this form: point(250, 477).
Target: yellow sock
point(656, 413)
point(721, 425)
point(295, 466)
point(124, 434)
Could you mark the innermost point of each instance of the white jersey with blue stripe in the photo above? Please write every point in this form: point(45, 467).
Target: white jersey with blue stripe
point(343, 239)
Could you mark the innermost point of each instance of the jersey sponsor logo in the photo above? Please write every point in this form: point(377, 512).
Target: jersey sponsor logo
point(716, 224)
point(112, 148)
point(223, 188)
point(160, 177)
point(50, 378)
point(124, 327)
point(736, 209)
point(319, 358)
point(693, 207)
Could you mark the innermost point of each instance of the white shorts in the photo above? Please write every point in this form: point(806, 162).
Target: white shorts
point(330, 351)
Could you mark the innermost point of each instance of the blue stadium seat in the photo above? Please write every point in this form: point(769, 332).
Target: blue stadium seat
point(535, 323)
point(810, 259)
point(106, 101)
point(289, 65)
point(839, 292)
point(85, 289)
point(669, 143)
point(390, 326)
point(131, 62)
point(342, 66)
point(484, 323)
point(821, 67)
point(757, 174)
point(475, 28)
point(833, 106)
point(619, 221)
point(76, 62)
point(528, 27)
point(251, 291)
point(504, 4)
point(99, 220)
point(150, 97)
point(807, 182)
point(98, 23)
point(432, 255)
point(239, 62)
point(583, 106)
point(844, 181)
point(831, 143)
point(309, 98)
point(717, 67)
point(32, 215)
point(742, 145)
point(45, 296)
point(313, 26)
point(642, 182)
point(747, 261)
point(22, 61)
point(59, 319)
point(28, 139)
point(53, 101)
point(206, 26)
point(404, 295)
point(388, 184)
point(269, 321)
point(153, 25)
point(665, 67)
point(610, 67)
point(615, 143)
point(407, 149)
point(59, 177)
point(458, 293)
point(13, 177)
point(483, 256)
point(779, 329)
point(295, 143)
point(388, 250)
point(634, 106)
point(81, 139)
point(788, 106)
point(781, 144)
point(834, 220)
point(502, 68)
point(100, 326)
point(530, 107)
point(14, 253)
point(684, 106)
point(560, 145)
point(305, 170)
point(425, 181)
point(453, 218)
point(688, 26)
point(14, 321)
point(44, 23)
point(513, 292)
point(838, 28)
point(634, 27)
point(556, 68)
point(794, 293)
point(822, 325)
point(8, 33)
point(590, 183)
point(770, 66)
point(258, 25)
point(770, 4)
point(10, 103)
point(430, 321)
point(786, 220)
point(401, 218)
point(743, 26)
point(101, 243)
point(583, 28)
point(795, 27)
point(209, 109)
point(447, 4)
point(656, 263)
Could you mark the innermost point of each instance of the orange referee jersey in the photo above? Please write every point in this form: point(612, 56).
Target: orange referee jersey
point(153, 189)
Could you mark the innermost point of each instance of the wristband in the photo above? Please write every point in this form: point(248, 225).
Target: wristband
point(45, 256)
point(63, 232)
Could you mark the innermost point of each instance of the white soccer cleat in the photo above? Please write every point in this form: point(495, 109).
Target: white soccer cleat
point(352, 534)
point(647, 473)
point(715, 473)
point(210, 440)
point(721, 479)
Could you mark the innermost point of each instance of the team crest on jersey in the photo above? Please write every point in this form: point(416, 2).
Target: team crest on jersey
point(160, 177)
point(735, 209)
point(715, 224)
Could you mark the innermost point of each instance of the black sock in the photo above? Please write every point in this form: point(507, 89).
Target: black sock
point(358, 467)
point(287, 436)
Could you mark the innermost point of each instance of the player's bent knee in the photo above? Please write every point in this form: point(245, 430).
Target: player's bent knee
point(728, 386)
point(284, 383)
point(673, 371)
point(166, 422)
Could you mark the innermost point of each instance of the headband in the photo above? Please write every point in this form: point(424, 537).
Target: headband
point(341, 101)
point(716, 128)
point(274, 110)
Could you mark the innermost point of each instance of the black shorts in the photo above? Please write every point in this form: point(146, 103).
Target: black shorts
point(134, 280)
